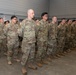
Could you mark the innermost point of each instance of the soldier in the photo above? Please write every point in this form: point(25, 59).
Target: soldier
point(61, 36)
point(5, 40)
point(28, 43)
point(52, 38)
point(2, 36)
point(42, 39)
point(68, 36)
point(73, 34)
point(11, 32)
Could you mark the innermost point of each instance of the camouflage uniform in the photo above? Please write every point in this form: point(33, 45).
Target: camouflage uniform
point(28, 44)
point(36, 31)
point(2, 38)
point(52, 39)
point(68, 37)
point(73, 35)
point(20, 40)
point(42, 38)
point(61, 37)
point(11, 32)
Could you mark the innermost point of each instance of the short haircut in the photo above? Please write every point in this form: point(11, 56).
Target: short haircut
point(13, 17)
point(44, 13)
point(68, 20)
point(74, 20)
point(6, 21)
point(63, 19)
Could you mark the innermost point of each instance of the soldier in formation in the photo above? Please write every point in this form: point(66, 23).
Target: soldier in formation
point(41, 40)
point(11, 33)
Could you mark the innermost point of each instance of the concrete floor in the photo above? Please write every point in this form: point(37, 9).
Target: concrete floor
point(62, 66)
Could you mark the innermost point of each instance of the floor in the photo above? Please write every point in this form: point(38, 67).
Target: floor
point(62, 66)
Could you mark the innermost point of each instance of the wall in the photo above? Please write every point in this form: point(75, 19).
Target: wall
point(63, 8)
point(20, 7)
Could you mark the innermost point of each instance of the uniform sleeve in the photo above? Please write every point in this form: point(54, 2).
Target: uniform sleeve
point(58, 28)
point(50, 29)
point(6, 28)
point(21, 29)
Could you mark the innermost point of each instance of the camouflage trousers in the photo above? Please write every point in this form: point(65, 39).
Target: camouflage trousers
point(20, 41)
point(73, 40)
point(41, 52)
point(3, 46)
point(68, 43)
point(60, 44)
point(12, 46)
point(28, 50)
point(52, 47)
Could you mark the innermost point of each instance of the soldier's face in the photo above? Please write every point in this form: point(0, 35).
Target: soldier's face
point(1, 21)
point(55, 19)
point(32, 14)
point(70, 21)
point(14, 20)
point(7, 22)
point(75, 22)
point(63, 21)
point(45, 17)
